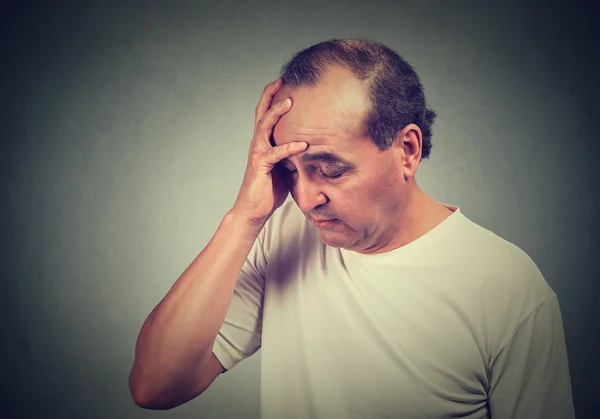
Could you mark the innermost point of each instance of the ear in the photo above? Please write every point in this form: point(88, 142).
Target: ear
point(408, 146)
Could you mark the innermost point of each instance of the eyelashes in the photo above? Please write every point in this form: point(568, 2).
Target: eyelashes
point(321, 173)
point(332, 176)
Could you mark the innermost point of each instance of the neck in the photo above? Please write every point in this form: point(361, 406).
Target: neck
point(415, 216)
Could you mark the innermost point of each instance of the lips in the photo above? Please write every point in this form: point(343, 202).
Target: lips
point(322, 223)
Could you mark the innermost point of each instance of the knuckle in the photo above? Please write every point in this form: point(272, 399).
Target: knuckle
point(264, 124)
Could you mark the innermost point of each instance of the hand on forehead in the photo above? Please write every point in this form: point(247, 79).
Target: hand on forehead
point(320, 115)
point(284, 92)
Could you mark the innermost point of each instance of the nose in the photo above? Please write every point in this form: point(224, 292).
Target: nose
point(307, 194)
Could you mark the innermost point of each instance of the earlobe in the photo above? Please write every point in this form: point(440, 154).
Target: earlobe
point(411, 140)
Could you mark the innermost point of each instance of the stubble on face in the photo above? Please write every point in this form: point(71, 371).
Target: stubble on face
point(374, 216)
point(329, 117)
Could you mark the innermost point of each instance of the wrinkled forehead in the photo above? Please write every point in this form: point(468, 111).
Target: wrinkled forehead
point(320, 114)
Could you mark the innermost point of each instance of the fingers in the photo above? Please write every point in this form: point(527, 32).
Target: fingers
point(278, 153)
point(266, 98)
point(264, 152)
point(264, 126)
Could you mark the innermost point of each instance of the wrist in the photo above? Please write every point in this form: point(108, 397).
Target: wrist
point(244, 224)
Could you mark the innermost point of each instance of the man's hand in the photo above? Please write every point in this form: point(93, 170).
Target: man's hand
point(263, 189)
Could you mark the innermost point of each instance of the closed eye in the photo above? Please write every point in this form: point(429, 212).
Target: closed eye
point(332, 176)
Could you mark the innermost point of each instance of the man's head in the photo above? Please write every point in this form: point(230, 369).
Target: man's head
point(361, 109)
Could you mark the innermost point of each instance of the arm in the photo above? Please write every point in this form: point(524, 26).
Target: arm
point(173, 357)
point(174, 361)
point(530, 375)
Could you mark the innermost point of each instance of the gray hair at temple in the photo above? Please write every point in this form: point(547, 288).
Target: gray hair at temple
point(396, 96)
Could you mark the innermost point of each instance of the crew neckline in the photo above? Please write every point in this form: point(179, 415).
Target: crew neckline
point(421, 242)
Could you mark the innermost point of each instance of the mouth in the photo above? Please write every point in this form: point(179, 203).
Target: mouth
point(324, 223)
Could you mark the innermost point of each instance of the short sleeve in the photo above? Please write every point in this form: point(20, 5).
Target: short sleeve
point(529, 378)
point(240, 334)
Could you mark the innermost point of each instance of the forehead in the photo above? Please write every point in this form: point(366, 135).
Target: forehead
point(328, 114)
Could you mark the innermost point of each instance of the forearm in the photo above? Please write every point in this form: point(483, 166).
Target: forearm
point(178, 335)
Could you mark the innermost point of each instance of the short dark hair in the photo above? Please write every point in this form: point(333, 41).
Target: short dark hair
point(396, 96)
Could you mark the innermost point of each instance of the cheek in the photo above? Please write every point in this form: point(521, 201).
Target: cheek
point(353, 205)
point(372, 198)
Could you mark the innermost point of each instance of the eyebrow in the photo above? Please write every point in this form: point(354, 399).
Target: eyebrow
point(325, 157)
point(322, 156)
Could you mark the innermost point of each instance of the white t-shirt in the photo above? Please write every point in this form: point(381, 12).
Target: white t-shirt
point(459, 323)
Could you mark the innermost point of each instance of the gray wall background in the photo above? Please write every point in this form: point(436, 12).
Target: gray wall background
point(125, 128)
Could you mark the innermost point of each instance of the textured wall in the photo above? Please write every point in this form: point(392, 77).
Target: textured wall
point(125, 129)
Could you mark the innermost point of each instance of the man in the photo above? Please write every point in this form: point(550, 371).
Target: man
point(368, 298)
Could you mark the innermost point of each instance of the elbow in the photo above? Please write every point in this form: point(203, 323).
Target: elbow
point(146, 400)
point(141, 399)
point(146, 397)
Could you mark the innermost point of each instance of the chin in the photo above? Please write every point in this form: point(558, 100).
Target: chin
point(335, 240)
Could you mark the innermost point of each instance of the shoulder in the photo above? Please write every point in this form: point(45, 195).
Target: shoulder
point(501, 262)
point(509, 285)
